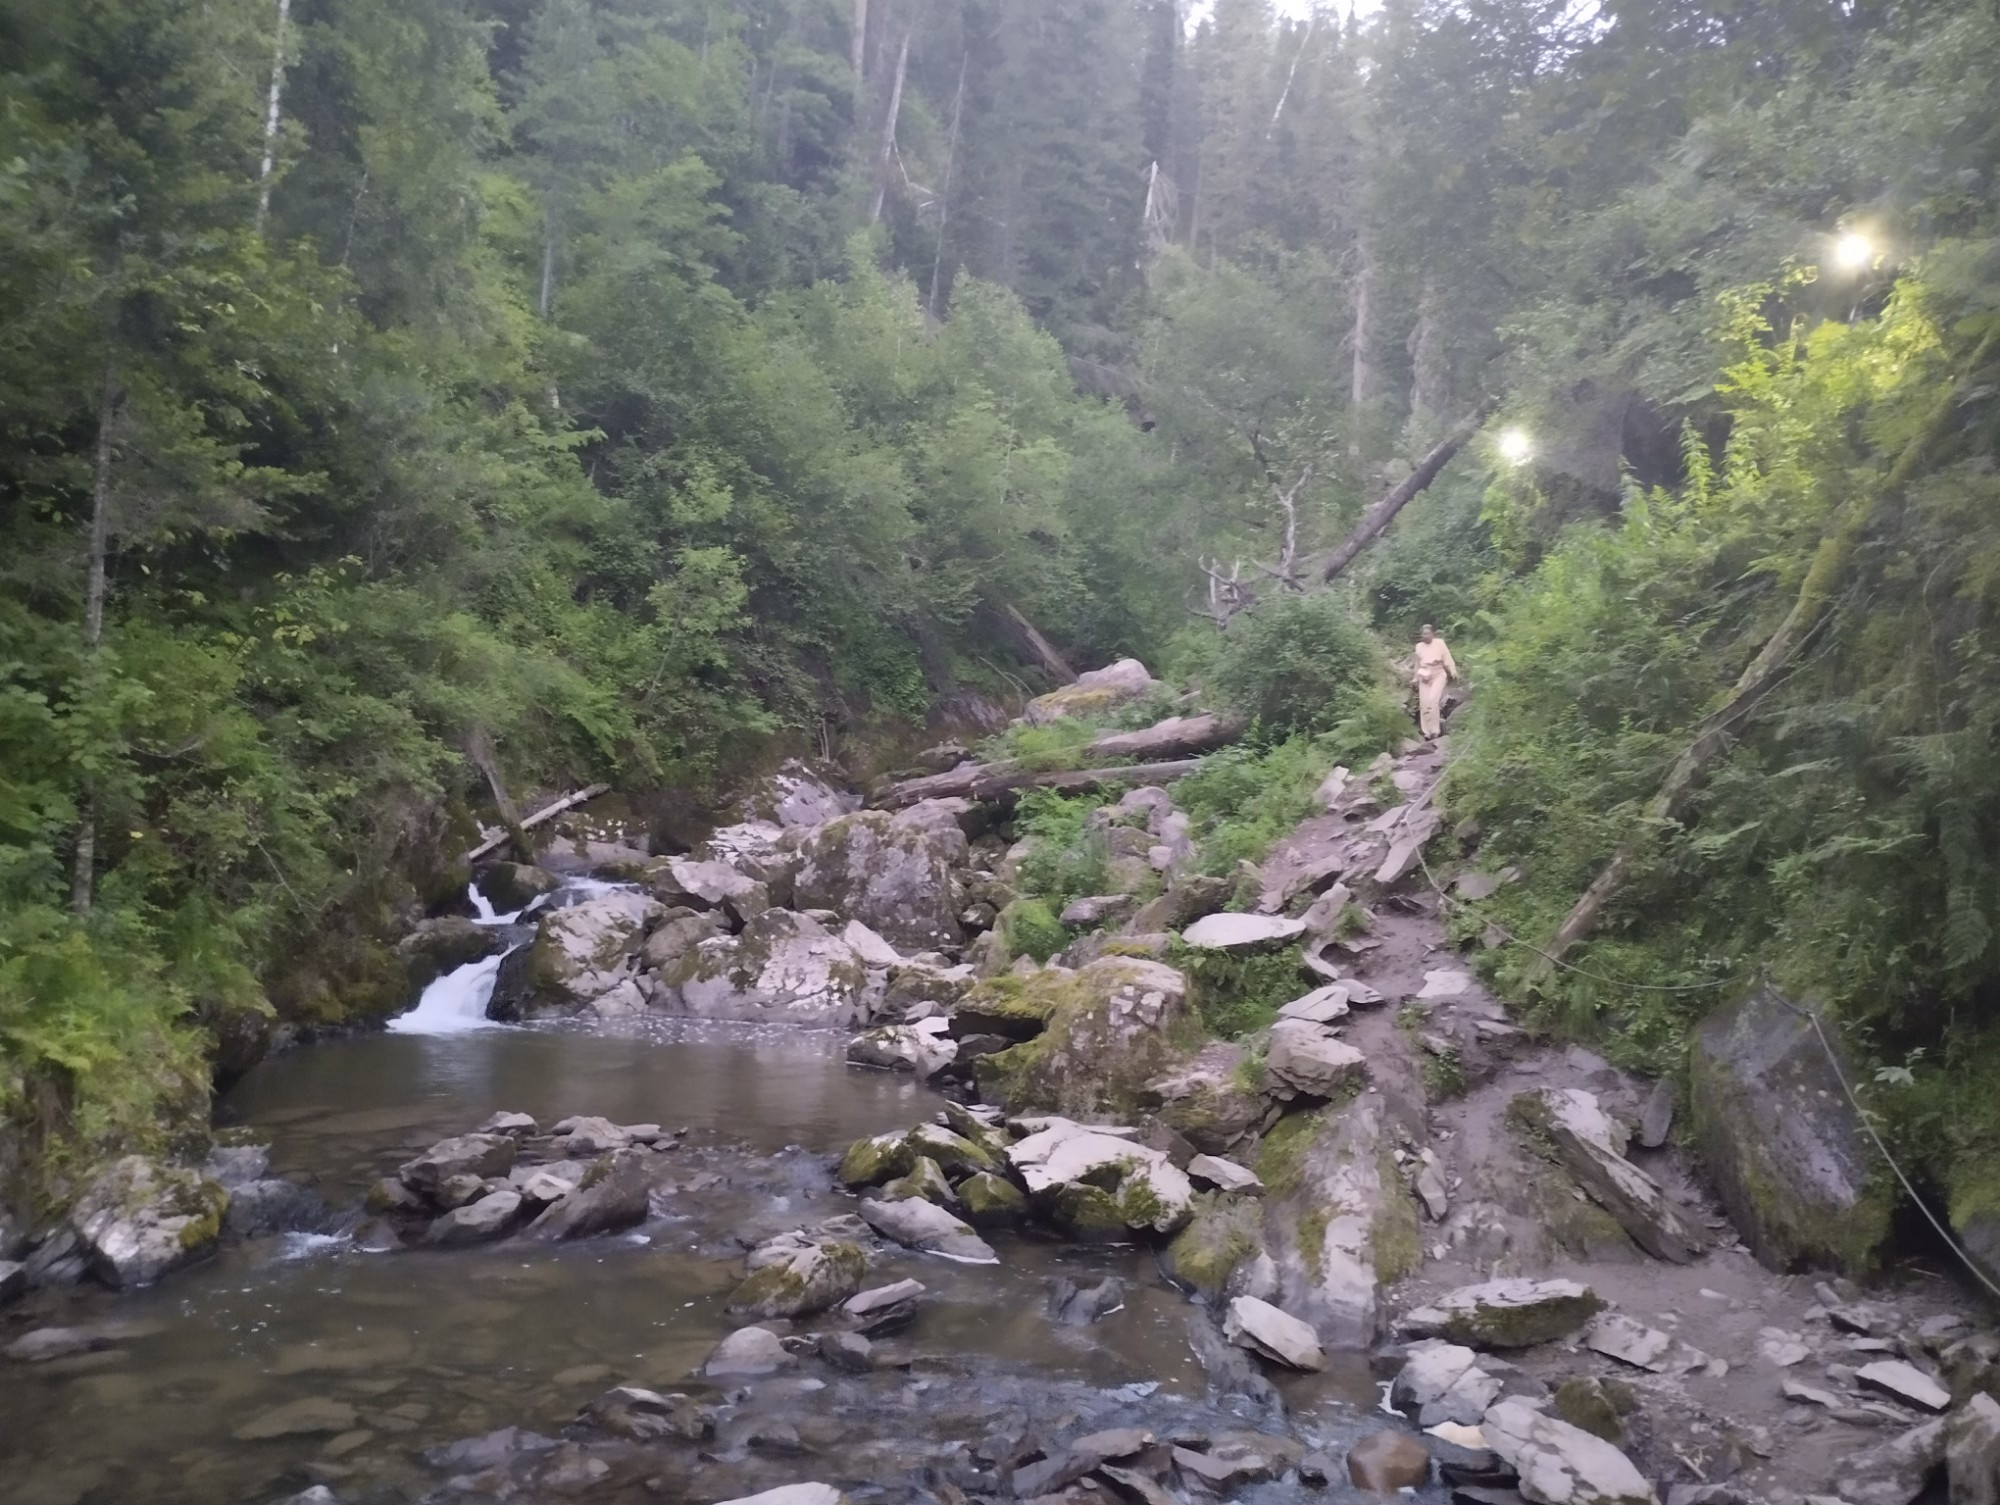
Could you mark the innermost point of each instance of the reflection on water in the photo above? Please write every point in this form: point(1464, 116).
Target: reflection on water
point(392, 1353)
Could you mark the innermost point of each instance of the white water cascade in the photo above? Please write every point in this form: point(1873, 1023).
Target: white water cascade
point(454, 1003)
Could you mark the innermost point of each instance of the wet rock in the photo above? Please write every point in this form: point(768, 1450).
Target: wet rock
point(924, 1181)
point(678, 933)
point(1242, 934)
point(1656, 1117)
point(849, 1352)
point(952, 1152)
point(648, 1416)
point(883, 1307)
point(1035, 1480)
point(990, 1200)
point(784, 966)
point(924, 1048)
point(1775, 1129)
point(579, 954)
point(1224, 1175)
point(1590, 1145)
point(1073, 1305)
point(893, 873)
point(1305, 1059)
point(1094, 692)
point(479, 1155)
point(471, 1455)
point(1138, 1187)
point(508, 1122)
point(1510, 1313)
point(614, 1194)
point(477, 1222)
point(872, 1161)
point(273, 1205)
point(1898, 1471)
point(234, 1165)
point(1443, 1382)
point(1263, 1329)
point(747, 1352)
point(810, 1280)
point(511, 886)
point(1560, 1464)
point(540, 1185)
point(46, 1343)
point(929, 1229)
point(794, 1494)
point(1906, 1383)
point(1237, 1459)
point(1224, 1234)
point(1972, 1452)
point(439, 946)
point(140, 1219)
point(1384, 1462)
point(315, 1414)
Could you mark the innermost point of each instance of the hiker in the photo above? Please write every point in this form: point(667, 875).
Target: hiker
point(1434, 669)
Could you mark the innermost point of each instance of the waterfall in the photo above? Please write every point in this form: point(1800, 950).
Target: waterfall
point(482, 909)
point(456, 1002)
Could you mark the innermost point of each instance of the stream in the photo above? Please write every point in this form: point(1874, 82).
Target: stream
point(426, 1347)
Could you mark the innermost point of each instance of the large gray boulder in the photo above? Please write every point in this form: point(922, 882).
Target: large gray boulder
point(1095, 692)
point(615, 1193)
point(1305, 1058)
point(139, 1219)
point(924, 1047)
point(1590, 1144)
point(1783, 1144)
point(896, 874)
point(803, 1280)
point(1508, 1313)
point(579, 955)
point(477, 1222)
point(1264, 1329)
point(463, 1155)
point(921, 1225)
point(1104, 1184)
point(795, 798)
point(1560, 1464)
point(784, 966)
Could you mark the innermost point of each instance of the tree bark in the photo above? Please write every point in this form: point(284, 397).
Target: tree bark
point(1043, 650)
point(546, 813)
point(858, 46)
point(887, 152)
point(944, 193)
point(273, 114)
point(1714, 733)
point(1361, 373)
point(1166, 745)
point(1176, 737)
point(83, 859)
point(1381, 513)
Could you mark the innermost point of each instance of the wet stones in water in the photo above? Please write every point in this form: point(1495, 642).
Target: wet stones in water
point(849, 1352)
point(794, 1494)
point(300, 1418)
point(508, 1122)
point(923, 1048)
point(479, 1155)
point(870, 1162)
point(141, 1218)
point(1385, 1462)
point(1509, 1313)
point(1081, 1457)
point(990, 1200)
point(809, 1280)
point(614, 1194)
point(884, 1307)
point(924, 1181)
point(746, 1353)
point(471, 1455)
point(1072, 1305)
point(491, 1217)
point(1237, 1459)
point(540, 1185)
point(1444, 1382)
point(928, 1228)
point(648, 1416)
point(1560, 1464)
point(1095, 1181)
point(272, 1205)
point(46, 1343)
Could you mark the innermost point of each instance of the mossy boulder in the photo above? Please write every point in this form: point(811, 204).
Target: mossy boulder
point(1014, 1008)
point(1783, 1144)
point(923, 1180)
point(896, 874)
point(1089, 1213)
point(512, 886)
point(809, 1281)
point(872, 1161)
point(952, 1152)
point(783, 966)
point(1094, 693)
point(140, 1219)
point(989, 1200)
point(1507, 1313)
point(1226, 1232)
point(1109, 1029)
point(1584, 1403)
point(579, 954)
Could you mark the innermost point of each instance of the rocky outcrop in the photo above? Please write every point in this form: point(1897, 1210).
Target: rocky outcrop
point(1094, 1183)
point(924, 1048)
point(896, 874)
point(439, 946)
point(783, 966)
point(140, 1219)
point(1574, 1128)
point(1781, 1140)
point(579, 955)
point(1276, 1335)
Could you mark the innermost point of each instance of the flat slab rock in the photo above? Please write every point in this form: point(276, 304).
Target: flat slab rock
point(1906, 1383)
point(794, 1494)
point(1264, 1329)
point(1511, 1313)
point(1224, 1175)
point(1242, 932)
point(1620, 1337)
point(928, 1228)
point(1560, 1464)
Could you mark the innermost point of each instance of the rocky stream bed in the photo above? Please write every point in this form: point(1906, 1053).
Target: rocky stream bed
point(774, 1166)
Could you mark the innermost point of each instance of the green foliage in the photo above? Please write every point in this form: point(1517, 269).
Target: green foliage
point(1067, 856)
point(1237, 995)
point(1296, 664)
point(1030, 927)
point(1243, 798)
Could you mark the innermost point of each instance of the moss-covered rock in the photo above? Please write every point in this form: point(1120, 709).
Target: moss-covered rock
point(989, 1200)
point(1109, 1029)
point(1087, 1212)
point(139, 1219)
point(952, 1152)
point(870, 1162)
point(896, 874)
point(923, 1181)
point(1507, 1313)
point(1226, 1232)
point(1778, 1135)
point(1583, 1403)
point(810, 1281)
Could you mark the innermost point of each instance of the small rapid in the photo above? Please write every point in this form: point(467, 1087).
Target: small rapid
point(455, 1002)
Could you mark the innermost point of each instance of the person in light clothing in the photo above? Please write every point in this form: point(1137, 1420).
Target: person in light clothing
point(1434, 670)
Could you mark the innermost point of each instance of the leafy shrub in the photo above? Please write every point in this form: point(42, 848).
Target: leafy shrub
point(1297, 663)
point(1028, 927)
point(1067, 860)
point(1237, 995)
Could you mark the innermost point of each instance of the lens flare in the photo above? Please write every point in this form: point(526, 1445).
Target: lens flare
point(1515, 446)
point(1853, 251)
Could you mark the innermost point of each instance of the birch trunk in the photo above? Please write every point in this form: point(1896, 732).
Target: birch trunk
point(1361, 375)
point(83, 861)
point(888, 148)
point(273, 114)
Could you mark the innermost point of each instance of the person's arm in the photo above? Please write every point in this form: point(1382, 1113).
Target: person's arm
point(1450, 667)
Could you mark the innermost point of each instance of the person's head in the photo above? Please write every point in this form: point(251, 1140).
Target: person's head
point(1425, 634)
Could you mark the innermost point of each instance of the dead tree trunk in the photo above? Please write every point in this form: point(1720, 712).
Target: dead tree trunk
point(858, 45)
point(886, 155)
point(83, 859)
point(1361, 373)
point(1043, 650)
point(273, 114)
point(944, 194)
point(1383, 512)
point(1715, 731)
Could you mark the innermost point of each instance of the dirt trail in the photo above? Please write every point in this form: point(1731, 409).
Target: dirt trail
point(1449, 1061)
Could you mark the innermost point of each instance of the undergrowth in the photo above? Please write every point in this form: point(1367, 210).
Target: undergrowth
point(1237, 995)
point(1067, 859)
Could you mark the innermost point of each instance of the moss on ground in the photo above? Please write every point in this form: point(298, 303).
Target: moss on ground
point(1281, 1158)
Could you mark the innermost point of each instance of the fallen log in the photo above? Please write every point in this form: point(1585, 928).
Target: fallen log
point(1078, 781)
point(1177, 736)
point(1383, 511)
point(546, 813)
point(1043, 650)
